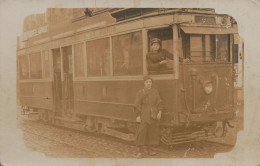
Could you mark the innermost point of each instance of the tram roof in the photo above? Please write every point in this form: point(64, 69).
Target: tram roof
point(92, 18)
point(54, 16)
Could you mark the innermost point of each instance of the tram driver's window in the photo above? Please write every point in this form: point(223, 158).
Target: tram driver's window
point(24, 67)
point(35, 65)
point(202, 48)
point(206, 48)
point(160, 54)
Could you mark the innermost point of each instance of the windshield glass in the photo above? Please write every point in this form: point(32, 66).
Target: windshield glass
point(206, 48)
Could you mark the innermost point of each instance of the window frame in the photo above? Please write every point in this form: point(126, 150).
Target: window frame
point(19, 65)
point(42, 68)
point(109, 38)
point(61, 53)
point(164, 75)
point(84, 60)
point(144, 31)
point(229, 49)
point(111, 76)
point(42, 79)
point(144, 55)
point(44, 65)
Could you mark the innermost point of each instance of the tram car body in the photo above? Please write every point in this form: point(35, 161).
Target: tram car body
point(86, 73)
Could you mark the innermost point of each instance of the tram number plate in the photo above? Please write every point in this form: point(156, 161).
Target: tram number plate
point(205, 20)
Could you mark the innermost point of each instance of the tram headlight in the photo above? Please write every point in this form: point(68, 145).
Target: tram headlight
point(208, 88)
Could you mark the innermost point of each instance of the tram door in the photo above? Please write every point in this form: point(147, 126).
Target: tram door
point(57, 91)
point(67, 80)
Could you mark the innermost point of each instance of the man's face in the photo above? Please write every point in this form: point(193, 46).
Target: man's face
point(155, 47)
point(148, 84)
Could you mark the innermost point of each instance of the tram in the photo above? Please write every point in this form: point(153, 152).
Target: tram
point(84, 72)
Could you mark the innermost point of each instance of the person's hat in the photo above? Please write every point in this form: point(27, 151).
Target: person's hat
point(147, 78)
point(155, 40)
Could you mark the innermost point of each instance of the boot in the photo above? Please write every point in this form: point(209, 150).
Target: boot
point(151, 152)
point(140, 153)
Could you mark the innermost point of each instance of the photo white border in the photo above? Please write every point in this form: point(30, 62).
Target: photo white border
point(12, 149)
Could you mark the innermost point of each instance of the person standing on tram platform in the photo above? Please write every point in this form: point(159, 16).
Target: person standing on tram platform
point(148, 107)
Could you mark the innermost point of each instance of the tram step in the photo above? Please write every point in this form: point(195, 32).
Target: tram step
point(70, 123)
point(118, 134)
point(195, 136)
point(74, 120)
point(167, 142)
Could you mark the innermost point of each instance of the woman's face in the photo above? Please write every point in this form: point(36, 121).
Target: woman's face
point(155, 47)
point(148, 84)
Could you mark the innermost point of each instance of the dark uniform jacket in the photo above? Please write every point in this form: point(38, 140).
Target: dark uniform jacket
point(145, 101)
point(154, 59)
point(148, 132)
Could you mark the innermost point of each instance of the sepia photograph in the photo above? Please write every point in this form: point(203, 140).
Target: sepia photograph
point(136, 83)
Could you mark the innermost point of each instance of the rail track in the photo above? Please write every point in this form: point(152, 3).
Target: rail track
point(58, 141)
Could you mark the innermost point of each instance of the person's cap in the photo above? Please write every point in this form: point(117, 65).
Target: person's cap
point(147, 78)
point(155, 40)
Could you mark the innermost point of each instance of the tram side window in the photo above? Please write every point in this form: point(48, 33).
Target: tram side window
point(98, 63)
point(127, 54)
point(46, 64)
point(160, 60)
point(35, 65)
point(78, 60)
point(24, 67)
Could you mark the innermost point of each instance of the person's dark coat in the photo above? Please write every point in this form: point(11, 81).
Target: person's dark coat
point(154, 59)
point(148, 131)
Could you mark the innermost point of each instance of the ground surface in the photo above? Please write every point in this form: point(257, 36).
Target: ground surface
point(61, 142)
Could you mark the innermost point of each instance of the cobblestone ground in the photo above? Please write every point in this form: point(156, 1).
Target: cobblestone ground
point(60, 142)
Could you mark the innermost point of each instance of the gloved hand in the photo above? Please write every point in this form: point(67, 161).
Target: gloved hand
point(163, 62)
point(138, 119)
point(159, 115)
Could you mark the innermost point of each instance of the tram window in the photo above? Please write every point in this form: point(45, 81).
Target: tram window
point(35, 65)
point(98, 63)
point(202, 48)
point(222, 48)
point(206, 48)
point(235, 53)
point(78, 60)
point(56, 60)
point(24, 67)
point(164, 38)
point(67, 59)
point(127, 54)
point(46, 64)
